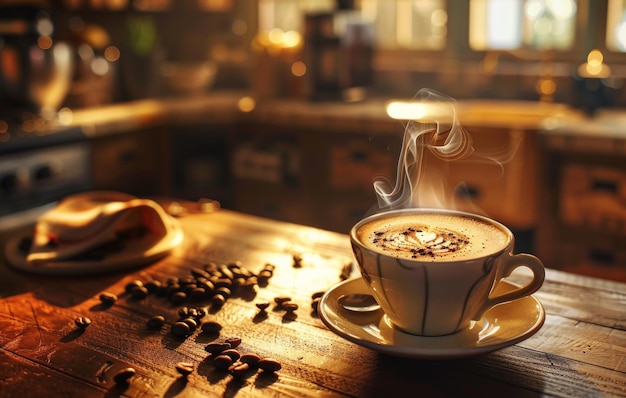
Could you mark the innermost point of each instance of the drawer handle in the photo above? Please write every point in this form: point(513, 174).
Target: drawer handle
point(467, 191)
point(602, 256)
point(605, 186)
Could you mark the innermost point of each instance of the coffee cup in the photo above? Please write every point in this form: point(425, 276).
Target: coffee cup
point(434, 271)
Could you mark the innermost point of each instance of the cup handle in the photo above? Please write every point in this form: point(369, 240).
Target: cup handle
point(510, 264)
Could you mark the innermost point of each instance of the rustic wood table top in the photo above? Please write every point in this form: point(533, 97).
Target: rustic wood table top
point(580, 350)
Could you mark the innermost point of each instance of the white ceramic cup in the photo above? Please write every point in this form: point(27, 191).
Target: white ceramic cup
point(434, 298)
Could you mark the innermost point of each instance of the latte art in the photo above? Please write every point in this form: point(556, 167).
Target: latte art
point(432, 237)
point(419, 241)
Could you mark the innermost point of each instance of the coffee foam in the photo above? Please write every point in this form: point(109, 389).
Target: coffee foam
point(432, 237)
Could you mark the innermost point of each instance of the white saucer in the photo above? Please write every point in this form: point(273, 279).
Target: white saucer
point(501, 326)
point(135, 253)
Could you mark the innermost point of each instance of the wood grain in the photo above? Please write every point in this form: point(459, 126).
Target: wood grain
point(580, 350)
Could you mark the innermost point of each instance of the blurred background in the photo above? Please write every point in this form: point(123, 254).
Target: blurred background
point(284, 109)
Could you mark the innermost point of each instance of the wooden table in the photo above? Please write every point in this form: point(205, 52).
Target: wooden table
point(579, 351)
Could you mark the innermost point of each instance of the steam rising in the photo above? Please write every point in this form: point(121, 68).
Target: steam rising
point(432, 138)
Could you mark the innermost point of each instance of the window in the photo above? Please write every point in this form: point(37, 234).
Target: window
point(616, 26)
point(408, 24)
point(529, 24)
point(399, 24)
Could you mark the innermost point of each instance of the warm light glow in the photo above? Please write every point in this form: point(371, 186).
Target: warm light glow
point(4, 127)
point(595, 58)
point(547, 87)
point(298, 69)
point(44, 42)
point(99, 66)
point(112, 53)
point(291, 39)
point(594, 67)
point(405, 110)
point(246, 104)
point(65, 116)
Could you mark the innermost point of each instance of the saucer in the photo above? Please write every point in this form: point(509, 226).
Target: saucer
point(501, 326)
point(136, 252)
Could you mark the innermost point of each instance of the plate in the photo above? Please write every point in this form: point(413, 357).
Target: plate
point(135, 253)
point(501, 326)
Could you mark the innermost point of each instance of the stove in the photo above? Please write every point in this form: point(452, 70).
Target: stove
point(37, 168)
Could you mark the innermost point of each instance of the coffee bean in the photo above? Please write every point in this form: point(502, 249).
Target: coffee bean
point(139, 292)
point(211, 327)
point(133, 284)
point(198, 293)
point(108, 298)
point(239, 369)
point(281, 300)
point(315, 303)
point(234, 341)
point(153, 286)
point(156, 322)
point(178, 297)
point(216, 348)
point(124, 375)
point(297, 261)
point(263, 305)
point(224, 291)
point(222, 362)
point(82, 322)
point(250, 358)
point(317, 295)
point(218, 300)
point(184, 368)
point(232, 353)
point(181, 329)
point(289, 306)
point(192, 323)
point(269, 365)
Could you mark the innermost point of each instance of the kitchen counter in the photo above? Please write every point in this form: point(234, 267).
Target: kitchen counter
point(579, 351)
point(367, 116)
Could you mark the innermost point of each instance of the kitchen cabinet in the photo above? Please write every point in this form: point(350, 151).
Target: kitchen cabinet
point(305, 175)
point(583, 226)
point(134, 162)
point(200, 162)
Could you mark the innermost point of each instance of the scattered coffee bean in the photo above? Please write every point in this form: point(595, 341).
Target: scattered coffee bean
point(124, 375)
point(82, 322)
point(156, 322)
point(139, 292)
point(250, 358)
point(346, 271)
point(181, 329)
point(216, 348)
point(234, 341)
point(222, 362)
point(211, 327)
point(184, 368)
point(133, 284)
point(153, 286)
point(315, 303)
point(289, 306)
point(269, 365)
point(178, 297)
point(218, 300)
point(263, 305)
point(192, 323)
point(317, 295)
point(232, 353)
point(281, 300)
point(239, 369)
point(297, 261)
point(108, 298)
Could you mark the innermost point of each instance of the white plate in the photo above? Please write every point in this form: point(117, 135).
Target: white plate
point(134, 254)
point(501, 326)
